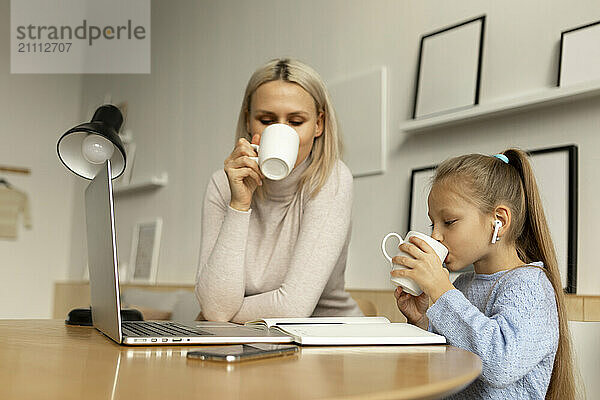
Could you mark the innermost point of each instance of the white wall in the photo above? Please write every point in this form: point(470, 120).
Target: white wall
point(183, 117)
point(183, 114)
point(34, 111)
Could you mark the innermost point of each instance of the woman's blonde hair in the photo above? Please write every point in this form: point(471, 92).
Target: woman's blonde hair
point(488, 182)
point(327, 148)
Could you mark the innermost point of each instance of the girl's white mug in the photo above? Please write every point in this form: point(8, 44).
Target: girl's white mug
point(278, 151)
point(408, 285)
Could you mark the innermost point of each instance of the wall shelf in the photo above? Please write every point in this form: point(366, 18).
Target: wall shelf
point(152, 183)
point(545, 98)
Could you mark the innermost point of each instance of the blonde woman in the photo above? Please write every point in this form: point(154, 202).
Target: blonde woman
point(279, 248)
point(510, 312)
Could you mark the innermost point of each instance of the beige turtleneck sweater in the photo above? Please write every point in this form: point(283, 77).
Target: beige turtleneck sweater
point(285, 257)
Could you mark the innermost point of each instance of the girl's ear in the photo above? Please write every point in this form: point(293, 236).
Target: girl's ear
point(502, 214)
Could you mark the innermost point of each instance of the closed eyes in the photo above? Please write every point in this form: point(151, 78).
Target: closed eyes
point(270, 121)
point(447, 223)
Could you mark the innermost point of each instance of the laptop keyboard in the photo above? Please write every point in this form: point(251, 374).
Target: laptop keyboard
point(151, 328)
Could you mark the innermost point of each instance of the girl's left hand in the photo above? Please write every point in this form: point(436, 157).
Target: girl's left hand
point(425, 268)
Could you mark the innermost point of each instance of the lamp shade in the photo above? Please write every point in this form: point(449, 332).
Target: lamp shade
point(84, 148)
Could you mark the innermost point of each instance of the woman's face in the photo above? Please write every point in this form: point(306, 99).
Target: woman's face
point(280, 102)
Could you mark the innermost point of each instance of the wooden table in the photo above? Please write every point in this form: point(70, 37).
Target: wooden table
point(44, 359)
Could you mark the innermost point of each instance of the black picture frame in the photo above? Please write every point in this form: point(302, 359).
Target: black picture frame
point(421, 61)
point(561, 53)
point(564, 232)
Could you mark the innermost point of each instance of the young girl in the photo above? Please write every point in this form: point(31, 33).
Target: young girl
point(510, 312)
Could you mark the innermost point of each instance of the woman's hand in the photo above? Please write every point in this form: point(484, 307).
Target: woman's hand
point(413, 307)
point(424, 267)
point(243, 173)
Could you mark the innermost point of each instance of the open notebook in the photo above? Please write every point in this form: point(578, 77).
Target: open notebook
point(350, 331)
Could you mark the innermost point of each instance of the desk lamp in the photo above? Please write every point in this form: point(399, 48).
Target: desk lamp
point(83, 150)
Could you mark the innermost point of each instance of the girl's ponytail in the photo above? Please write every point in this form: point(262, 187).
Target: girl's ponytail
point(534, 242)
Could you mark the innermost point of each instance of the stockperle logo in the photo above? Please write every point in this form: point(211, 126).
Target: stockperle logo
point(80, 36)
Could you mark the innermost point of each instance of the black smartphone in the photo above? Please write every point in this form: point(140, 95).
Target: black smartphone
point(242, 352)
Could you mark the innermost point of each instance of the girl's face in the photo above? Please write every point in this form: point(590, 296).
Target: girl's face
point(280, 102)
point(459, 226)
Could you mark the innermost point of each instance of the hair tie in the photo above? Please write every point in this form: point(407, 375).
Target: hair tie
point(501, 157)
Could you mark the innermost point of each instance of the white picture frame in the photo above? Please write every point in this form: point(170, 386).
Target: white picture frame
point(579, 59)
point(361, 106)
point(449, 69)
point(556, 172)
point(145, 246)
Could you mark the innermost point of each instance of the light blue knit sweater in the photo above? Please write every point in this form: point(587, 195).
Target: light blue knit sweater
point(510, 320)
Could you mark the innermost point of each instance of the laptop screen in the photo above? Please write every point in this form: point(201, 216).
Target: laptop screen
point(102, 255)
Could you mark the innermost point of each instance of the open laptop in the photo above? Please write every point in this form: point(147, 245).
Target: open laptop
point(104, 285)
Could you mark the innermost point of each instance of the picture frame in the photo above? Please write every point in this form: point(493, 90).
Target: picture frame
point(145, 246)
point(365, 131)
point(579, 55)
point(449, 69)
point(556, 172)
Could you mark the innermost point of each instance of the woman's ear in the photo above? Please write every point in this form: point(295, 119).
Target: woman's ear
point(247, 118)
point(320, 124)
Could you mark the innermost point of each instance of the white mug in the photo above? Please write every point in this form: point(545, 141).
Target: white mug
point(408, 285)
point(278, 151)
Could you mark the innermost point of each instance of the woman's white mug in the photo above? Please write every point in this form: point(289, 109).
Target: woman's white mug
point(278, 151)
point(408, 285)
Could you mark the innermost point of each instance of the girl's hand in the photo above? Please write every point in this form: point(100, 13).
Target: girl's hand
point(413, 307)
point(424, 267)
point(243, 173)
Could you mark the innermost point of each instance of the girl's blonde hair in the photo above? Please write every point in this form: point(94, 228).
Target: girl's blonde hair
point(488, 182)
point(327, 148)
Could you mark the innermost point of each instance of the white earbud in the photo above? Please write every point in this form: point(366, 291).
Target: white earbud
point(497, 226)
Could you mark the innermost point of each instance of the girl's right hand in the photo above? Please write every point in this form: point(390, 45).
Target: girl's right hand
point(243, 174)
point(414, 308)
